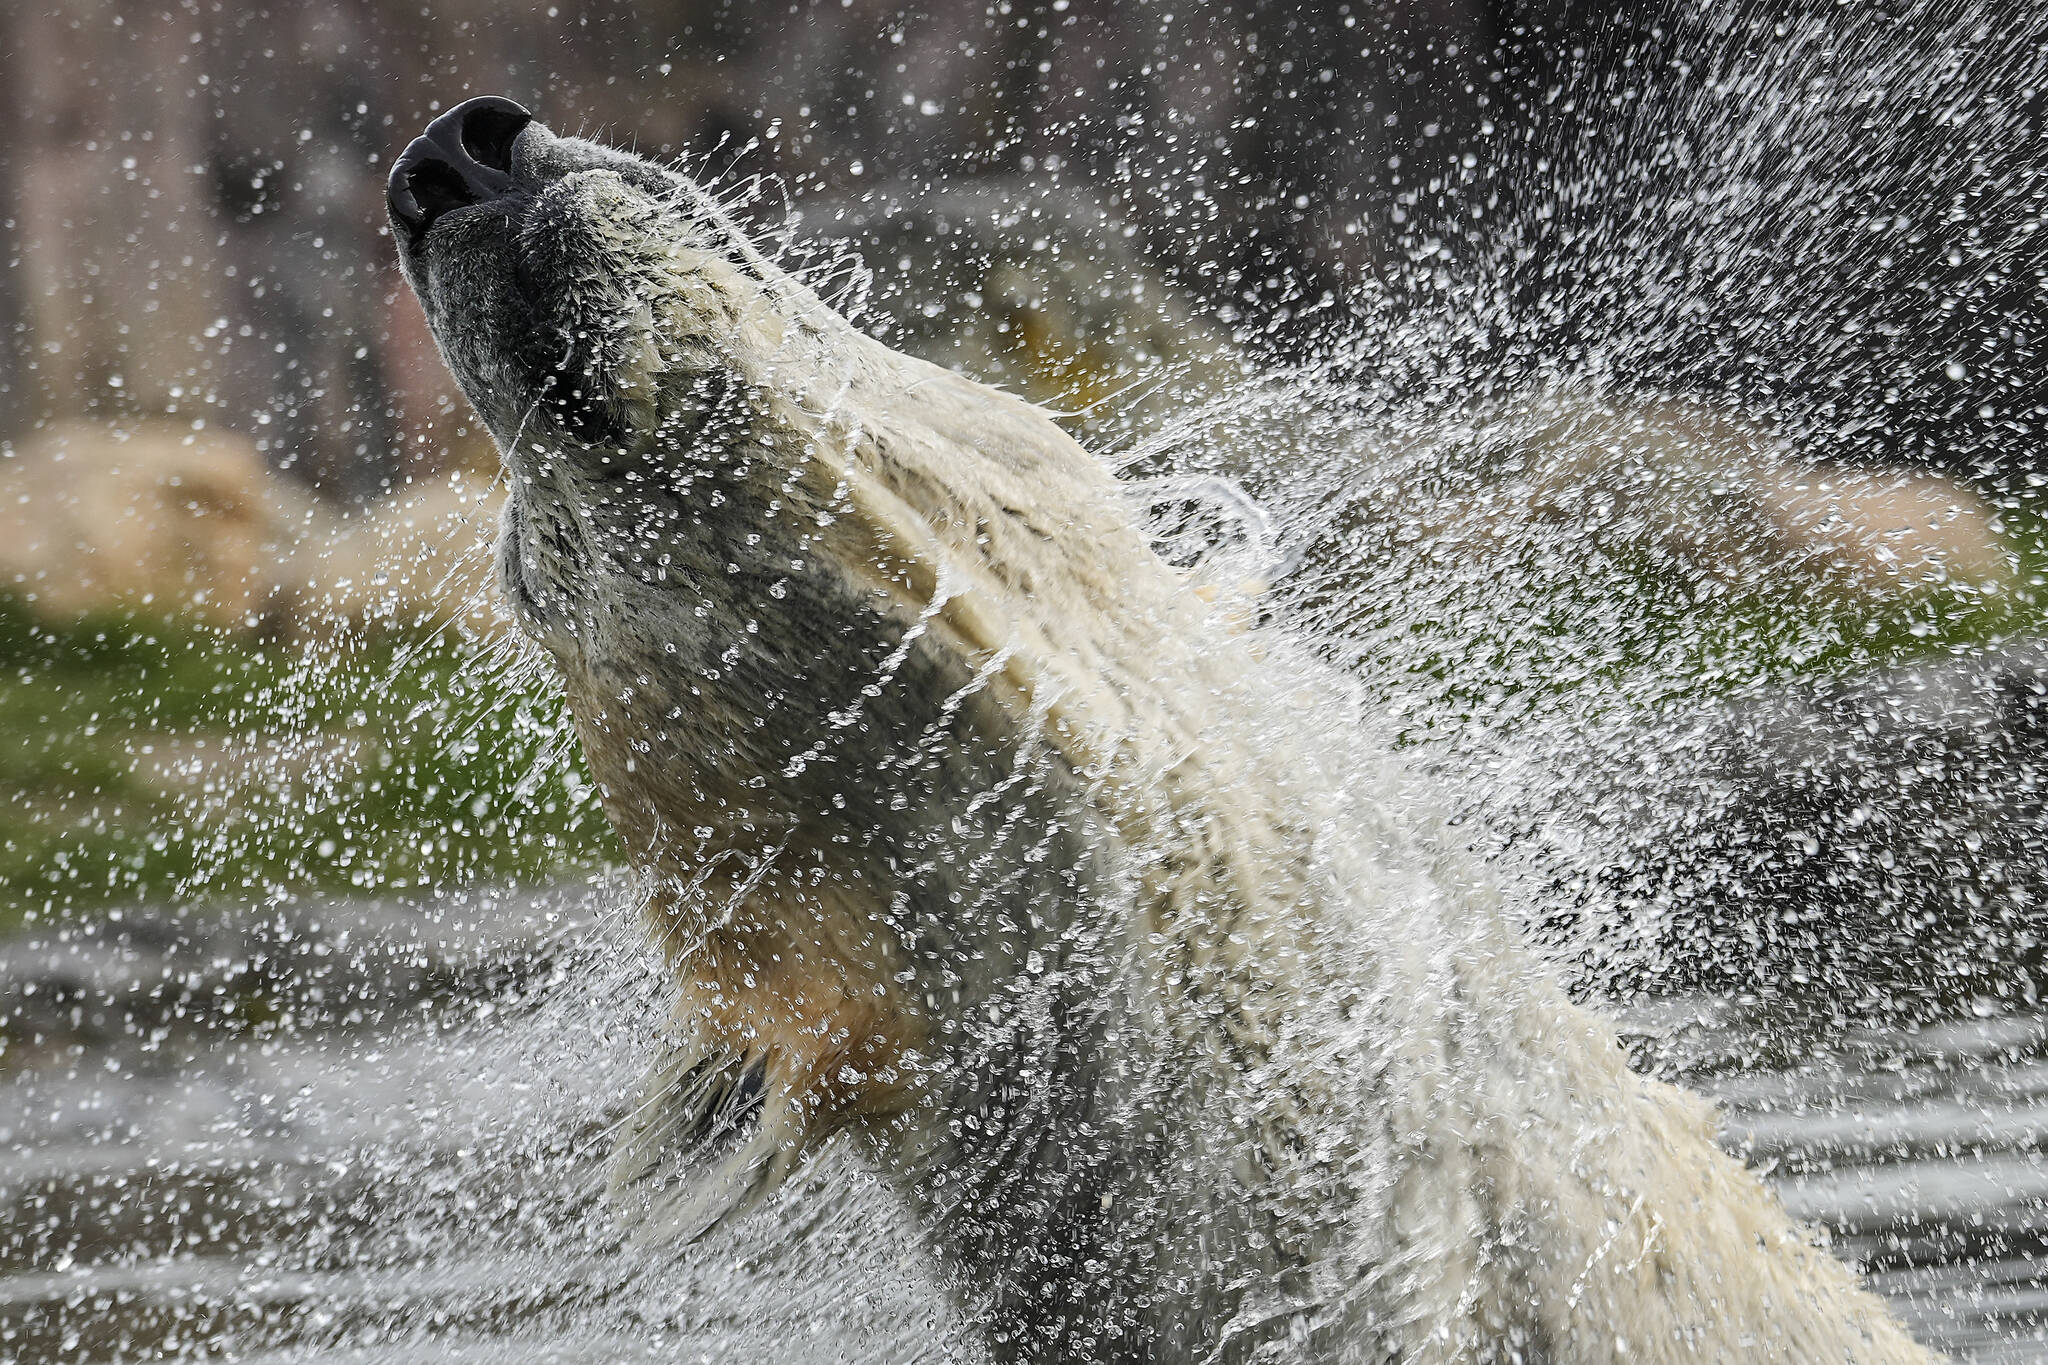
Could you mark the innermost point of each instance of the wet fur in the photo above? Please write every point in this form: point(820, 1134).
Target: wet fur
point(970, 838)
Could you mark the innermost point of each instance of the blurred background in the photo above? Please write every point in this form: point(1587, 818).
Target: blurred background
point(1643, 404)
point(193, 193)
point(220, 407)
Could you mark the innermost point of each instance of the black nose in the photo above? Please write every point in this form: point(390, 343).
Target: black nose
point(464, 157)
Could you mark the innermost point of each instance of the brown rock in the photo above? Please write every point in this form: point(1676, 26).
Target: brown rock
point(420, 558)
point(175, 521)
point(1714, 496)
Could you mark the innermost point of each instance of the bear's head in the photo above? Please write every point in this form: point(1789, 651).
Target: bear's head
point(619, 335)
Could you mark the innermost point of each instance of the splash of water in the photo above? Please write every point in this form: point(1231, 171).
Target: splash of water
point(1416, 506)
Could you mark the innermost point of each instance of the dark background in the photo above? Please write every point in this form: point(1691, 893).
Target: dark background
point(1827, 210)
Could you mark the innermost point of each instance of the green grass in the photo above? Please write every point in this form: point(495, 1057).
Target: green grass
point(1839, 641)
point(147, 761)
point(1565, 629)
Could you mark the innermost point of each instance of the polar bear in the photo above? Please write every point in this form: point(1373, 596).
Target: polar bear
point(977, 837)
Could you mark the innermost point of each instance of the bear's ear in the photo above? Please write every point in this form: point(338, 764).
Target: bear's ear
point(714, 1134)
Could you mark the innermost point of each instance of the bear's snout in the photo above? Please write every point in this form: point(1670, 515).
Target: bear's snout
point(464, 158)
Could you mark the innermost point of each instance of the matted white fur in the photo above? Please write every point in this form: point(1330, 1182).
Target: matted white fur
point(976, 836)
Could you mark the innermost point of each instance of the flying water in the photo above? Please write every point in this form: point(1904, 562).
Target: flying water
point(1561, 502)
